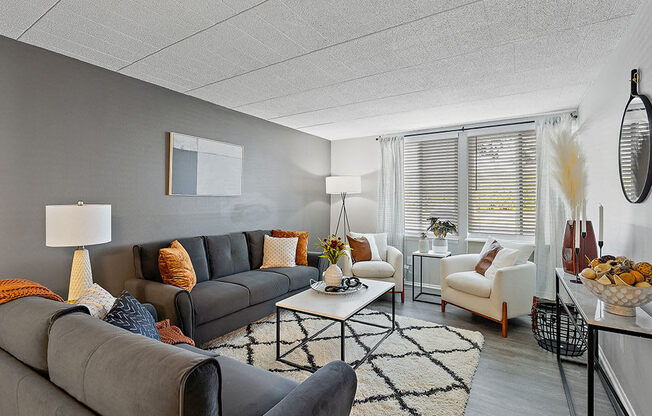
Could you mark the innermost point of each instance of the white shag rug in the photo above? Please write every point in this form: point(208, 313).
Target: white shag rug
point(422, 368)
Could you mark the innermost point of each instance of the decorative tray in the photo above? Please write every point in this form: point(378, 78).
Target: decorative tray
point(321, 288)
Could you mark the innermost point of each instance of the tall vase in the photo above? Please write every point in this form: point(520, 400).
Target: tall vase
point(440, 245)
point(588, 248)
point(333, 275)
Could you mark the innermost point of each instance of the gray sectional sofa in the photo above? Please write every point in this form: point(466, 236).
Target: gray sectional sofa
point(231, 292)
point(55, 359)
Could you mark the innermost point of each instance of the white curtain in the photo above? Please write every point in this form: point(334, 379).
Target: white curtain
point(391, 213)
point(551, 210)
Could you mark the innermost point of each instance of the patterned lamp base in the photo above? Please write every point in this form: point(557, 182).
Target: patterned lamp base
point(81, 276)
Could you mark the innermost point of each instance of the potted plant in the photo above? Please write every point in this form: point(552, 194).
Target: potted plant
point(440, 229)
point(424, 244)
point(333, 248)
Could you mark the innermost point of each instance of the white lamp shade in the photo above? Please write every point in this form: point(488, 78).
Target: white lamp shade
point(77, 225)
point(343, 184)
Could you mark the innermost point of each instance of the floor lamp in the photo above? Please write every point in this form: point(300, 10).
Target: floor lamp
point(343, 185)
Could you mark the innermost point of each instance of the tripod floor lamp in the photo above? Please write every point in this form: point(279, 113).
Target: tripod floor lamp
point(343, 185)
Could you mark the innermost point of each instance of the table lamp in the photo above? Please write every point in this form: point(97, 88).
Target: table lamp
point(78, 226)
point(343, 185)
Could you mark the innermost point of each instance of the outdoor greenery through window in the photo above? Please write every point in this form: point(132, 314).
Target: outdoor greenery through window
point(431, 182)
point(502, 183)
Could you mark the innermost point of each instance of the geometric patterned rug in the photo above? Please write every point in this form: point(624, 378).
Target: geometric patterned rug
point(422, 368)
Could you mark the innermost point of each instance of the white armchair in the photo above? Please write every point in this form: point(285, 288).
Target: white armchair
point(507, 296)
point(389, 269)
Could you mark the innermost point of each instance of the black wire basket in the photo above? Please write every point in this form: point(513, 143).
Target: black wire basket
point(544, 327)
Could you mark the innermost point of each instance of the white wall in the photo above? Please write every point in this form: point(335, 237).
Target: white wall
point(628, 227)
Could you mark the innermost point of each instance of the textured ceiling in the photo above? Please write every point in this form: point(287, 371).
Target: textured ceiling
point(342, 68)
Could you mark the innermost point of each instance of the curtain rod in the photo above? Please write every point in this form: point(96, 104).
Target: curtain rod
point(573, 115)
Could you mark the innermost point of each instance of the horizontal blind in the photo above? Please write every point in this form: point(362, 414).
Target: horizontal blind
point(502, 183)
point(430, 182)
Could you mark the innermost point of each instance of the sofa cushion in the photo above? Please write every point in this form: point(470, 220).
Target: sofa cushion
point(470, 282)
point(256, 244)
point(24, 325)
point(372, 269)
point(127, 313)
point(262, 285)
point(147, 258)
point(299, 275)
point(227, 254)
point(214, 299)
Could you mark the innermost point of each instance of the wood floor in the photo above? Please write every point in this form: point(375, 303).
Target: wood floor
point(515, 376)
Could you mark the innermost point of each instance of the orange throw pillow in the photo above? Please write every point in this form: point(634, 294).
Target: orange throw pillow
point(302, 244)
point(360, 248)
point(488, 257)
point(176, 267)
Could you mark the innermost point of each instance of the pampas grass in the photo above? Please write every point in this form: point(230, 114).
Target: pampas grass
point(569, 166)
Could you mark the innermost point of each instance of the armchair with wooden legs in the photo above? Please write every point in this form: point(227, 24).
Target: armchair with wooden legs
point(390, 269)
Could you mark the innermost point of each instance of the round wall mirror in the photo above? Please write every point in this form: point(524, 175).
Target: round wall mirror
point(634, 151)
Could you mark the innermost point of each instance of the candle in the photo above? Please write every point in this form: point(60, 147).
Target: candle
point(600, 237)
point(577, 228)
point(584, 218)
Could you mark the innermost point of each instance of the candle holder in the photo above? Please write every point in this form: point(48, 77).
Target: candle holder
point(576, 265)
point(600, 244)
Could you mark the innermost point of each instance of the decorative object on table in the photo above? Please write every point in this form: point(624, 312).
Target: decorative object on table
point(175, 267)
point(424, 243)
point(279, 252)
point(78, 225)
point(348, 285)
point(302, 244)
point(334, 248)
point(441, 228)
point(601, 230)
point(11, 289)
point(544, 328)
point(343, 185)
point(620, 283)
point(634, 147)
point(572, 262)
point(203, 167)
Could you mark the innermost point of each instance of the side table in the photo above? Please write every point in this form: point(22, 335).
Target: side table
point(420, 255)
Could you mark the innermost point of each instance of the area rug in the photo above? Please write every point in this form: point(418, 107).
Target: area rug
point(422, 368)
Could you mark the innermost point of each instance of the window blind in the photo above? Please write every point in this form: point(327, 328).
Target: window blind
point(502, 183)
point(430, 180)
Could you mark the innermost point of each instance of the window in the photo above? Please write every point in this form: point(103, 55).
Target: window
point(502, 183)
point(430, 168)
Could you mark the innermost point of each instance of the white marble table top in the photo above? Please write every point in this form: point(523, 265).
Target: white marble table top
point(432, 254)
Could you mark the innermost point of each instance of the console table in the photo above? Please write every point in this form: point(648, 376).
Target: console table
point(420, 255)
point(595, 319)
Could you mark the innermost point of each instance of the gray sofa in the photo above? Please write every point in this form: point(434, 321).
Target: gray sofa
point(232, 290)
point(55, 359)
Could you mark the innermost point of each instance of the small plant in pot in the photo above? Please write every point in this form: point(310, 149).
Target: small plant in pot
point(424, 243)
point(334, 248)
point(440, 228)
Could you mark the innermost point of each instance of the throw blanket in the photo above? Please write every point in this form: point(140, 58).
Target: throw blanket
point(11, 289)
point(172, 334)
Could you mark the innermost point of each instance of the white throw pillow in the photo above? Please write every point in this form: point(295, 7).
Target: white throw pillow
point(377, 243)
point(525, 250)
point(279, 252)
point(505, 258)
point(98, 301)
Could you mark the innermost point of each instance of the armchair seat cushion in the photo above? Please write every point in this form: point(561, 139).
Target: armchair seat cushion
point(470, 282)
point(372, 269)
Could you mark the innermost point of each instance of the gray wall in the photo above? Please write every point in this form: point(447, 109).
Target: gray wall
point(70, 130)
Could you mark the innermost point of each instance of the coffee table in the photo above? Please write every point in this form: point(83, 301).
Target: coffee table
point(337, 308)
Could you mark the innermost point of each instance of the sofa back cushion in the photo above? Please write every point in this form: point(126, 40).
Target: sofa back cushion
point(256, 244)
point(96, 363)
point(24, 325)
point(227, 254)
point(146, 258)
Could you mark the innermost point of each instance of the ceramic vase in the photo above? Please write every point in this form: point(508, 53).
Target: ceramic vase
point(424, 245)
point(333, 275)
point(588, 248)
point(440, 245)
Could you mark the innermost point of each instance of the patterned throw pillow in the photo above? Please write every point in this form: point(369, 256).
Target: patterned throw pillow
point(302, 244)
point(97, 300)
point(129, 314)
point(176, 267)
point(279, 252)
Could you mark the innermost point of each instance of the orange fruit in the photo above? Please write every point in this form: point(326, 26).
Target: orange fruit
point(644, 268)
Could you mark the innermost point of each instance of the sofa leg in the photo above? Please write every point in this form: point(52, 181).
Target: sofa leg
point(504, 320)
point(403, 296)
point(443, 306)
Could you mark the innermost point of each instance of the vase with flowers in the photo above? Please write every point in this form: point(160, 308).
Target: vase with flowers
point(334, 248)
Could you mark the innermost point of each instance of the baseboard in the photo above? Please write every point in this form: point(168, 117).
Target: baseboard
point(611, 375)
point(427, 286)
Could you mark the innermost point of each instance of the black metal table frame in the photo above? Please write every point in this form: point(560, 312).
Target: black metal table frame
point(415, 298)
point(593, 359)
point(279, 356)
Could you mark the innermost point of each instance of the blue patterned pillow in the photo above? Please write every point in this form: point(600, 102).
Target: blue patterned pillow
point(129, 314)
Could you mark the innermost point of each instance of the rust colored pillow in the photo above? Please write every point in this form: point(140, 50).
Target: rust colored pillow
point(176, 267)
point(360, 248)
point(302, 244)
point(487, 257)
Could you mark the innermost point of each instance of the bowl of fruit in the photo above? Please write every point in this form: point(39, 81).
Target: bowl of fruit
point(620, 283)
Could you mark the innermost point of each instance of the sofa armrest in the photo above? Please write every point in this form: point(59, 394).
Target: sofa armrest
point(515, 285)
point(170, 302)
point(395, 258)
point(459, 263)
point(315, 260)
point(328, 392)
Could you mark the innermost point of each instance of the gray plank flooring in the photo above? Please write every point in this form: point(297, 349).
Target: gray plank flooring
point(514, 376)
